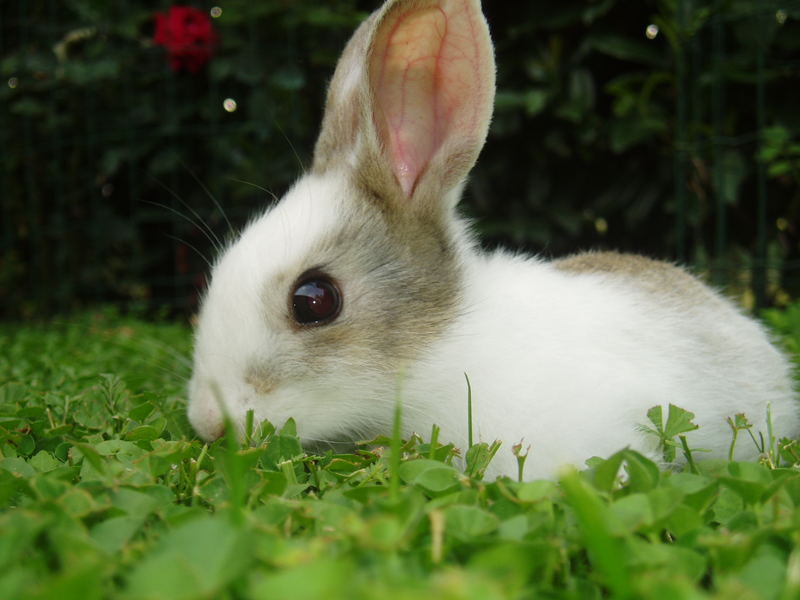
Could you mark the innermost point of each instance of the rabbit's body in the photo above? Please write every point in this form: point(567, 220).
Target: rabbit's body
point(362, 284)
point(599, 350)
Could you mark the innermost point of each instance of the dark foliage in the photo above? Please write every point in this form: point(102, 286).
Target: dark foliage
point(602, 138)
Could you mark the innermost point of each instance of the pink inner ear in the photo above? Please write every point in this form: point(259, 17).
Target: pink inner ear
point(426, 79)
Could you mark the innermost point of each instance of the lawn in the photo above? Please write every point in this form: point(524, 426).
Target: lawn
point(106, 493)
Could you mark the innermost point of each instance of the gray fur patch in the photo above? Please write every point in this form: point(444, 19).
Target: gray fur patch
point(400, 281)
point(261, 378)
point(652, 276)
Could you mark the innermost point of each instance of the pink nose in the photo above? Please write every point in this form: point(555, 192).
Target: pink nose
point(210, 429)
point(206, 417)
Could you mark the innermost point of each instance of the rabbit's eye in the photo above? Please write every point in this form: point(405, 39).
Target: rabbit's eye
point(316, 301)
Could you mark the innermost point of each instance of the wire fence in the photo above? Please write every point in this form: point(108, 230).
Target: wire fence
point(116, 165)
point(763, 19)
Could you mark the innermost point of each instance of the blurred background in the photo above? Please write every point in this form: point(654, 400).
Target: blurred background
point(666, 127)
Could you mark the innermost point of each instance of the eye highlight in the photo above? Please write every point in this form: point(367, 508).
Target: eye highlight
point(316, 300)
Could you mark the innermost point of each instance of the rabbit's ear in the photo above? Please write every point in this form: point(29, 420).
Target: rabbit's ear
point(411, 100)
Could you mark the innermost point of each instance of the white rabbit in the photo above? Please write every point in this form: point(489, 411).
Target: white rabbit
point(363, 285)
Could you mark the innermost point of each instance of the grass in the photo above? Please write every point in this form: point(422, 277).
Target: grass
point(106, 493)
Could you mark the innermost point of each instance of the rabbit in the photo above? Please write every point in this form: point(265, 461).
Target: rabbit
point(363, 287)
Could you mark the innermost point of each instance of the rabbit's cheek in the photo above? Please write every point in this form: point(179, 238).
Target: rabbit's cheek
point(261, 382)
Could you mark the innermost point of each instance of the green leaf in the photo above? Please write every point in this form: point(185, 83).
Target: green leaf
point(466, 523)
point(727, 505)
point(280, 448)
point(385, 533)
point(478, 458)
point(597, 9)
point(113, 534)
point(765, 573)
point(143, 433)
point(627, 49)
point(535, 491)
point(330, 517)
point(288, 78)
point(606, 471)
point(141, 502)
point(43, 461)
point(513, 564)
point(535, 101)
point(26, 445)
point(699, 491)
point(142, 411)
point(11, 486)
point(83, 581)
point(581, 96)
point(12, 393)
point(289, 428)
point(596, 526)
point(675, 560)
point(734, 172)
point(684, 520)
point(430, 475)
point(655, 417)
point(197, 559)
point(28, 107)
point(18, 467)
point(750, 480)
point(679, 421)
point(643, 473)
point(515, 528)
point(323, 579)
point(631, 513)
point(122, 450)
point(79, 502)
point(633, 130)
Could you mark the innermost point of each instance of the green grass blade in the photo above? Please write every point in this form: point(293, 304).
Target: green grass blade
point(605, 551)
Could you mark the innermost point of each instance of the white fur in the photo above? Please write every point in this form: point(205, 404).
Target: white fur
point(241, 320)
point(571, 364)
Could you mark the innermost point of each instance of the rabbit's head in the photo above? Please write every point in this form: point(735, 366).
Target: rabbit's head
point(323, 300)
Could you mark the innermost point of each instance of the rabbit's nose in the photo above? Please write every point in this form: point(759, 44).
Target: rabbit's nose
point(209, 426)
point(204, 412)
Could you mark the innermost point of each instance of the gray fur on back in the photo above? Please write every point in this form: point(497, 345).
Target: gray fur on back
point(653, 276)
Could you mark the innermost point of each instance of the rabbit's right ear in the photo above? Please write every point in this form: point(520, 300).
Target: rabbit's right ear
point(410, 103)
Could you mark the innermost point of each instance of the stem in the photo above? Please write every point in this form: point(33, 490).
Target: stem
point(469, 412)
point(733, 444)
point(688, 454)
point(434, 441)
point(394, 459)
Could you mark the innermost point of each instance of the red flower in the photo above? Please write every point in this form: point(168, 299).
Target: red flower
point(188, 36)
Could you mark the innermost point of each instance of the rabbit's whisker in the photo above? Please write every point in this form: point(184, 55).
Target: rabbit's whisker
point(267, 191)
point(231, 230)
point(291, 146)
point(193, 248)
point(197, 222)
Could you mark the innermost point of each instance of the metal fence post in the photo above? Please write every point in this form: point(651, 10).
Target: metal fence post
point(760, 263)
point(682, 141)
point(721, 267)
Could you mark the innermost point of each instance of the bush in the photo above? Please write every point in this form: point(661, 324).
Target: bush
point(111, 160)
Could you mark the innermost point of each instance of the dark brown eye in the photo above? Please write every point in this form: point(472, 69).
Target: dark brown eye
point(316, 300)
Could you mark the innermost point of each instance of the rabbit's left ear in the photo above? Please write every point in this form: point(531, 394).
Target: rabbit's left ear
point(412, 98)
